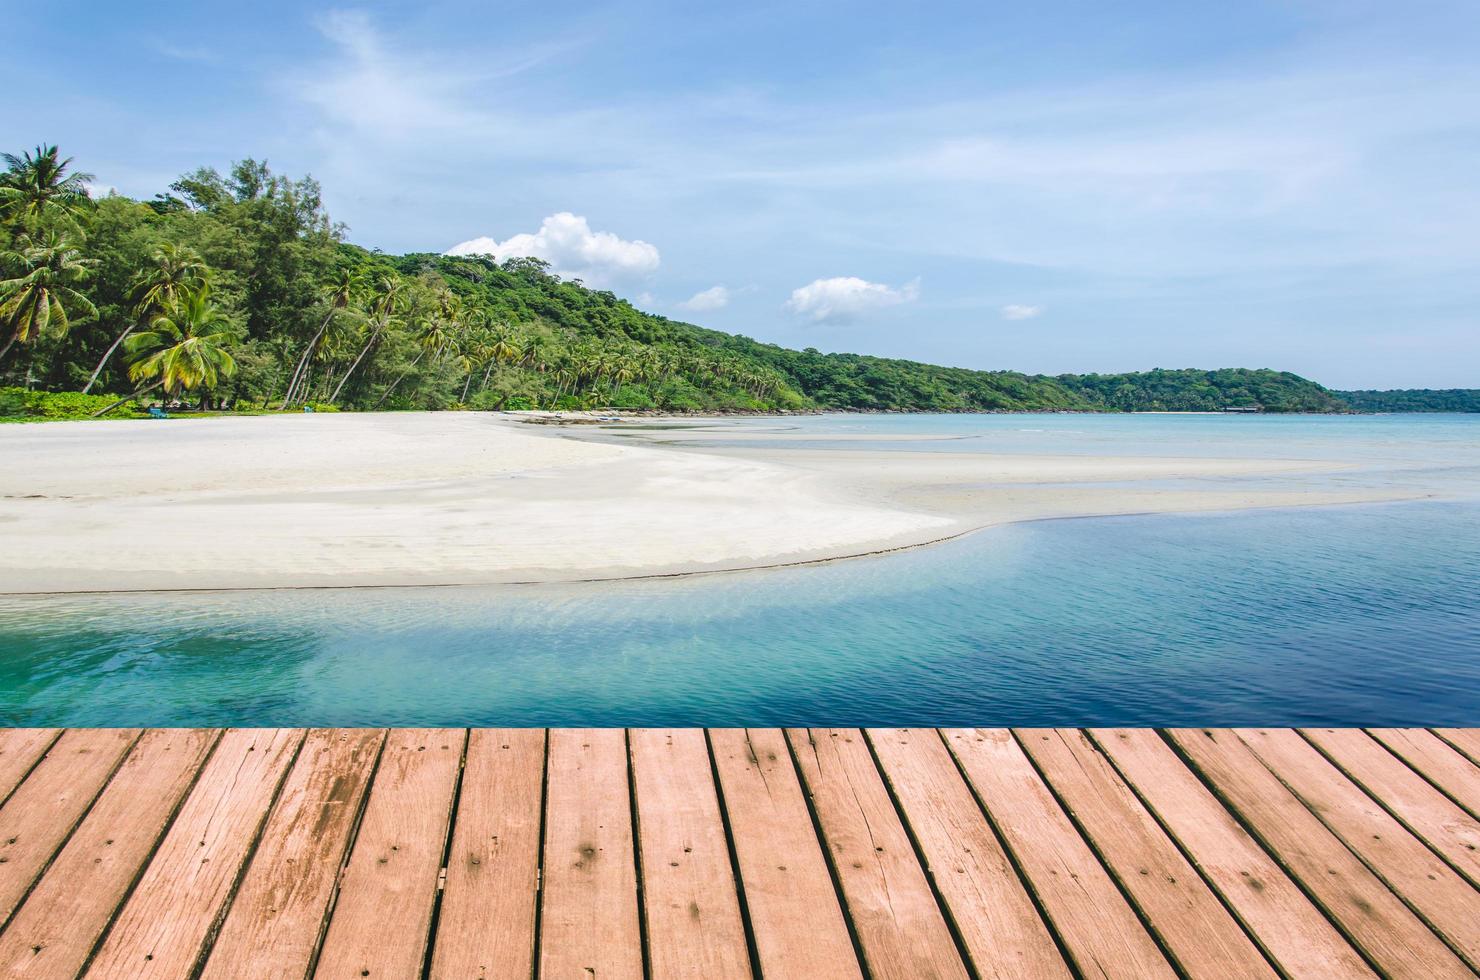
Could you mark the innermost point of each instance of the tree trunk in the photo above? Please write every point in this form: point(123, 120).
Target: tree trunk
point(395, 383)
point(466, 384)
point(363, 351)
point(9, 344)
point(127, 398)
point(99, 369)
point(303, 361)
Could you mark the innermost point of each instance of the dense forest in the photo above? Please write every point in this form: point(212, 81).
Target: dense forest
point(238, 291)
point(1413, 400)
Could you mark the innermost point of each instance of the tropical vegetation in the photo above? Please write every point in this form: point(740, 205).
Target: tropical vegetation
point(237, 291)
point(1413, 400)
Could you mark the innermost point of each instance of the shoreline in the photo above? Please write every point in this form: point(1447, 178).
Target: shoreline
point(706, 572)
point(404, 500)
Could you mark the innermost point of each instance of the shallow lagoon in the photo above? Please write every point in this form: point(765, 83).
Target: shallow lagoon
point(1336, 615)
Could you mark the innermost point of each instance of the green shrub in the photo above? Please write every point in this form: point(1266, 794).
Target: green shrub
point(20, 403)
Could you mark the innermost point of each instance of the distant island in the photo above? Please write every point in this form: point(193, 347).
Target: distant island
point(238, 291)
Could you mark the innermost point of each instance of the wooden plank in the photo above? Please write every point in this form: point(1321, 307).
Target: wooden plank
point(1191, 921)
point(1371, 915)
point(999, 927)
point(1098, 928)
point(589, 920)
point(1292, 931)
point(487, 919)
point(165, 925)
point(900, 928)
point(42, 811)
point(689, 898)
point(278, 915)
point(55, 930)
point(1437, 761)
point(20, 749)
point(1464, 740)
point(381, 919)
point(1444, 899)
point(795, 918)
point(1417, 805)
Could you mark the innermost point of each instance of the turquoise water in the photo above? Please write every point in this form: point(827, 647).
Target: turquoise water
point(1335, 615)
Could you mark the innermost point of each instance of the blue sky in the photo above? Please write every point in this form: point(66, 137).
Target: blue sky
point(1047, 187)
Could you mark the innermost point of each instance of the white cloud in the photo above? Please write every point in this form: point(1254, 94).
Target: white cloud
point(713, 298)
point(845, 298)
point(1019, 311)
point(573, 250)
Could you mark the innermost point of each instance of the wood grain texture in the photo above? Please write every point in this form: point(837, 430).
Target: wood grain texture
point(486, 927)
point(20, 749)
point(282, 904)
point(55, 930)
point(382, 918)
point(1466, 741)
point(899, 926)
point(1421, 808)
point(42, 811)
point(1096, 925)
point(690, 900)
point(1445, 900)
point(1289, 927)
point(589, 919)
point(1190, 919)
point(1437, 761)
point(999, 927)
point(795, 917)
point(1370, 914)
point(167, 922)
point(816, 854)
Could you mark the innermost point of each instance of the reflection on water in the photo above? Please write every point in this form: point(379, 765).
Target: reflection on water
point(1322, 616)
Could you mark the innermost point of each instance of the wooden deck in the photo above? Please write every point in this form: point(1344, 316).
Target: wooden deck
point(814, 854)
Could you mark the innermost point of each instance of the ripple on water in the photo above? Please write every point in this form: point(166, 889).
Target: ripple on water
point(1319, 616)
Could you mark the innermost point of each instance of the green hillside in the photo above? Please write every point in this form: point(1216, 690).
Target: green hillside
point(1414, 400)
point(238, 289)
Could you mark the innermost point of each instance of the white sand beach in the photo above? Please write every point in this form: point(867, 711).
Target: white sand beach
point(450, 498)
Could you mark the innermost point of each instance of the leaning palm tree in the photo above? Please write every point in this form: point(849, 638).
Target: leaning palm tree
point(435, 334)
point(338, 295)
point(384, 313)
point(36, 300)
point(37, 185)
point(185, 347)
point(173, 270)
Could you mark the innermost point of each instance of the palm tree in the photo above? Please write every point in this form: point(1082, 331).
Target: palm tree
point(384, 313)
point(174, 270)
point(37, 299)
point(37, 186)
point(338, 296)
point(185, 347)
point(435, 335)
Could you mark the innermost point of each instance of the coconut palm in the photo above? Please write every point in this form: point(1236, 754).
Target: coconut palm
point(384, 313)
point(37, 185)
point(185, 347)
point(338, 295)
point(436, 333)
point(173, 271)
point(37, 300)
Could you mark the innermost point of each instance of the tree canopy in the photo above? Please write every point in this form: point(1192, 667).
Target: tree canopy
point(305, 318)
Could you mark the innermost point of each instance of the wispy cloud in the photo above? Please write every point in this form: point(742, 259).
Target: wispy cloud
point(193, 53)
point(1019, 311)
